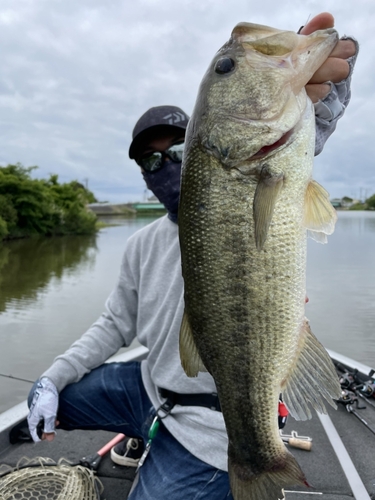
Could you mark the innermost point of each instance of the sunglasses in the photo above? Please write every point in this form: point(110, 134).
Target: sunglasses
point(155, 160)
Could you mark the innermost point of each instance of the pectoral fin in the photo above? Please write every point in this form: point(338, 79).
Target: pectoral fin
point(312, 379)
point(190, 359)
point(320, 216)
point(265, 198)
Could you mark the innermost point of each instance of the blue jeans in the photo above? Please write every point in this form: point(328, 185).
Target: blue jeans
point(112, 397)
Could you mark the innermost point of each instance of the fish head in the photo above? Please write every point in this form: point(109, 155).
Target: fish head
point(253, 96)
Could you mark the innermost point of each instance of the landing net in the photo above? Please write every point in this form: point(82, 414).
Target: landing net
point(43, 479)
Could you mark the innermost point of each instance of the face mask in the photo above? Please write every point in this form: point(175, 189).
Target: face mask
point(165, 184)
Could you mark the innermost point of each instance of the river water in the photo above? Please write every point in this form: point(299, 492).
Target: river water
point(53, 289)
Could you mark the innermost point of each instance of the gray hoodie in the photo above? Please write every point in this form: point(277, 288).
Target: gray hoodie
point(147, 303)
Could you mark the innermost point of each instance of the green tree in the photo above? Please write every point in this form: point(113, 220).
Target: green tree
point(357, 206)
point(38, 206)
point(3, 228)
point(370, 202)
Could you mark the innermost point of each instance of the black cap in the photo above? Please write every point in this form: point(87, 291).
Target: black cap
point(166, 116)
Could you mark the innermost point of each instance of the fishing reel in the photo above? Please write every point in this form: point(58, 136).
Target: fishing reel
point(367, 389)
point(349, 381)
point(349, 398)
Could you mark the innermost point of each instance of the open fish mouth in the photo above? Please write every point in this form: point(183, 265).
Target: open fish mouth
point(266, 150)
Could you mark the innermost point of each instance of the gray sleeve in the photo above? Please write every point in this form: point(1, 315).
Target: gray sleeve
point(330, 109)
point(115, 328)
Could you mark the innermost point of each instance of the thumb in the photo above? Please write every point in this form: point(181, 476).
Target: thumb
point(48, 436)
point(49, 424)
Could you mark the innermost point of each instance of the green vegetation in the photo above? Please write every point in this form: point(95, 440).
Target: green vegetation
point(370, 202)
point(357, 206)
point(38, 206)
point(349, 204)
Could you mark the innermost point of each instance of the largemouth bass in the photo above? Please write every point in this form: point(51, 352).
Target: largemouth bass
point(247, 202)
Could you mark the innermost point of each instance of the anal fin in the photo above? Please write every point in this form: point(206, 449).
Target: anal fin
point(190, 359)
point(312, 379)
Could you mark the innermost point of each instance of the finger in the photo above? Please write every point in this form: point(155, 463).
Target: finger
point(343, 49)
point(317, 91)
point(320, 22)
point(48, 436)
point(332, 70)
point(49, 424)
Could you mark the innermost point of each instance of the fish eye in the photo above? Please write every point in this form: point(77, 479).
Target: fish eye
point(224, 65)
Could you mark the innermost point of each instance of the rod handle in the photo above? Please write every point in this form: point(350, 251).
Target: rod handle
point(302, 444)
point(110, 445)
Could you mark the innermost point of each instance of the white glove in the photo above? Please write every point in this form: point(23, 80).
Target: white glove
point(43, 407)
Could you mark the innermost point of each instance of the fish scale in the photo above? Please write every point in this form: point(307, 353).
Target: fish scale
point(247, 200)
point(246, 297)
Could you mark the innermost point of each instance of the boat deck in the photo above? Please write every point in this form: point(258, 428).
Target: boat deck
point(321, 465)
point(340, 465)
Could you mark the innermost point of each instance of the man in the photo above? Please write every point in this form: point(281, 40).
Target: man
point(188, 455)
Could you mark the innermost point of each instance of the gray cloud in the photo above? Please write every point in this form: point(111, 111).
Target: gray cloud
point(75, 76)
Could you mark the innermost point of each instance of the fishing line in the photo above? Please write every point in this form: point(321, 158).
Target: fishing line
point(307, 20)
point(17, 378)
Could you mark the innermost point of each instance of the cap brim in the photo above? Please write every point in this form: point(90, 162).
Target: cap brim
point(145, 135)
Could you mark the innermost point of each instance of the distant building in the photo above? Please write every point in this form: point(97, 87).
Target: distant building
point(344, 203)
point(336, 203)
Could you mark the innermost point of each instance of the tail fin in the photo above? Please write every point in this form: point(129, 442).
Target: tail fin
point(267, 485)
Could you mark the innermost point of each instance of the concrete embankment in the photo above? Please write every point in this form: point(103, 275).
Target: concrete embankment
point(111, 209)
point(126, 208)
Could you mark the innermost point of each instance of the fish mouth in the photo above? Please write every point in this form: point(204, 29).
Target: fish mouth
point(266, 150)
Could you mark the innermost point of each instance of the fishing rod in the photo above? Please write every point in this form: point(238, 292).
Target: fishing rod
point(17, 378)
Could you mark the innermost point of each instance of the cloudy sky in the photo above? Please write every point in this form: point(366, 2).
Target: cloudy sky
point(75, 76)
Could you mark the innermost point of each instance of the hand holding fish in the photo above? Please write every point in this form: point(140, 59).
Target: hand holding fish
point(336, 67)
